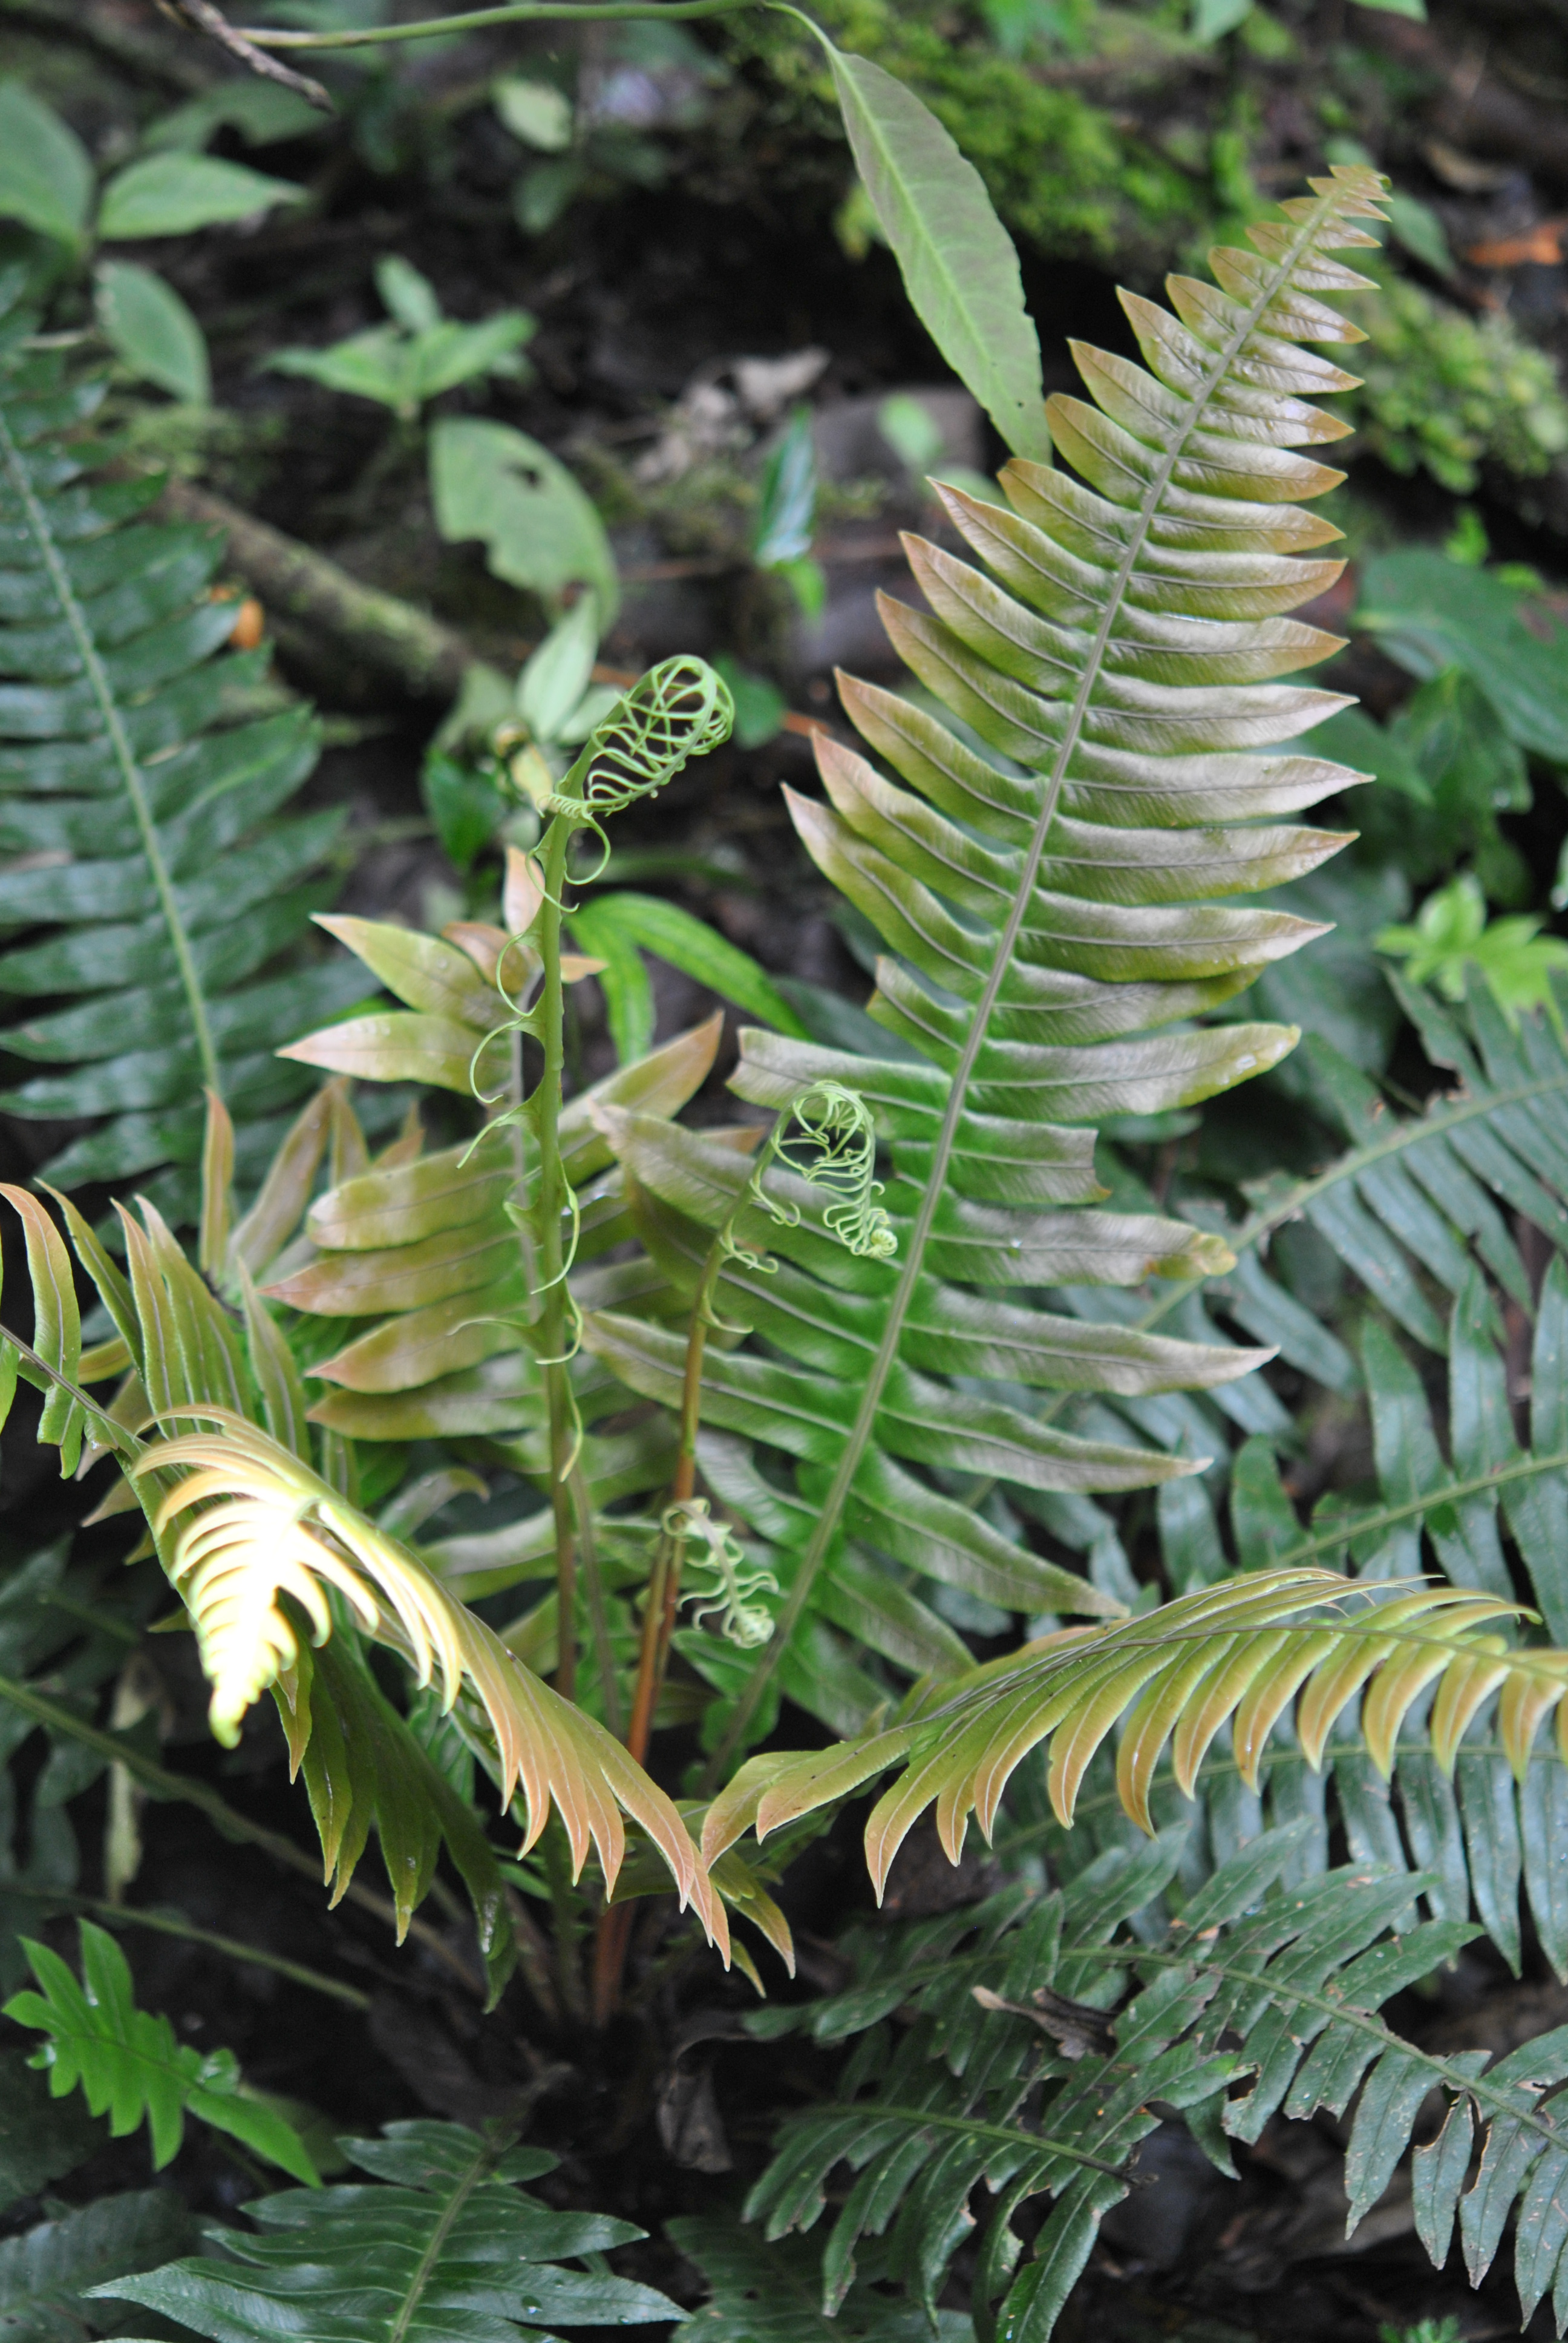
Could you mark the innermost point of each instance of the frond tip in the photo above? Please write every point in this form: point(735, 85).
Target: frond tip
point(1243, 1650)
point(260, 1526)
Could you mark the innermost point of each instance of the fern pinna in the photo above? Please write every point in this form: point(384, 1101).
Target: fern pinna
point(1046, 901)
point(141, 776)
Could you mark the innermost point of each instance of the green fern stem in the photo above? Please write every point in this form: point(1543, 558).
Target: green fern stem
point(477, 20)
point(553, 1322)
point(663, 1606)
point(488, 2154)
point(816, 1551)
point(124, 755)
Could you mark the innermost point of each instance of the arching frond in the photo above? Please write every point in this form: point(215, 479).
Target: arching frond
point(256, 1524)
point(1241, 1653)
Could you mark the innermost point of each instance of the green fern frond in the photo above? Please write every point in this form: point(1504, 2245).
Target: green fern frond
point(264, 1551)
point(1417, 1205)
point(1243, 1653)
point(129, 2064)
point(156, 879)
point(424, 1246)
point(1009, 2008)
point(45, 2271)
point(1046, 906)
point(771, 2292)
point(441, 2240)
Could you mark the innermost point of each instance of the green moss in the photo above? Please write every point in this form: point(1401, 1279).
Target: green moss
point(1445, 393)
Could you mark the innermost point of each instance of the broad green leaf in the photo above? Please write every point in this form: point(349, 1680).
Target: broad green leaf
point(45, 172)
point(691, 945)
point(1430, 614)
point(153, 331)
point(263, 112)
point(958, 266)
point(540, 529)
point(1213, 18)
point(174, 193)
point(551, 686)
point(408, 295)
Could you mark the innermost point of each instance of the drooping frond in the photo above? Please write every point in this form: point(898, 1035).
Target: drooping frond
point(141, 791)
point(1049, 904)
point(1013, 2047)
point(256, 1524)
point(441, 2241)
point(1243, 1654)
point(245, 1525)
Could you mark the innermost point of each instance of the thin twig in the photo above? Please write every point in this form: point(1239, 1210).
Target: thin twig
point(201, 16)
point(170, 1924)
point(476, 20)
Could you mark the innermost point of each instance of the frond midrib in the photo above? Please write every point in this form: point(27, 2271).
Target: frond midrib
point(912, 1263)
point(480, 2170)
point(129, 771)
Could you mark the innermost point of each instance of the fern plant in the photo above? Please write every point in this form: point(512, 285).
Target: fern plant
point(442, 2240)
point(143, 779)
point(268, 1556)
point(129, 2064)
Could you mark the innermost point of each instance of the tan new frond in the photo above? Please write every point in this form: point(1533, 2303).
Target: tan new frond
point(1242, 1651)
point(257, 1525)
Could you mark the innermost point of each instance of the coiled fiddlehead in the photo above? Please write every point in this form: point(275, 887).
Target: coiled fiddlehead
point(678, 710)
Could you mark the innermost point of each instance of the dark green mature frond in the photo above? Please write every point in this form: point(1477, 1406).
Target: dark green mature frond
point(771, 2292)
point(1417, 1205)
point(442, 2241)
point(45, 2271)
point(1048, 905)
point(154, 877)
point(1016, 1995)
point(1416, 1202)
